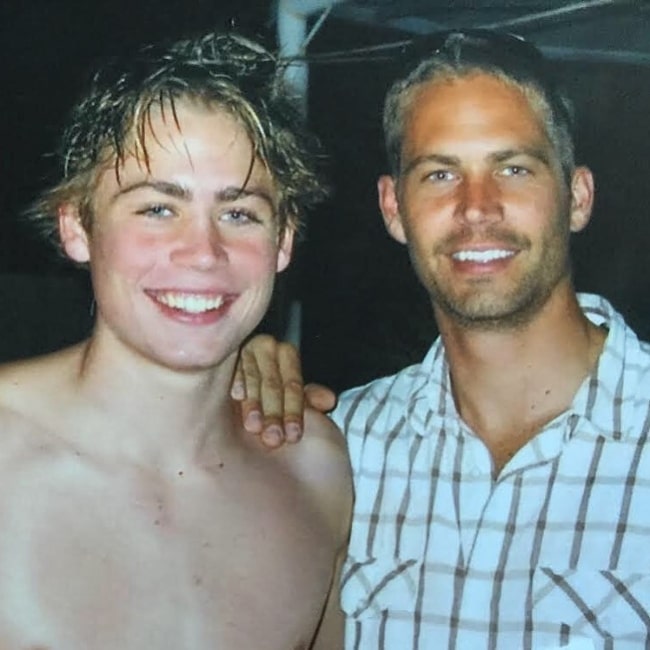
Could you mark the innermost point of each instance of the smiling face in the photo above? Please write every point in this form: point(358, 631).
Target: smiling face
point(182, 250)
point(481, 202)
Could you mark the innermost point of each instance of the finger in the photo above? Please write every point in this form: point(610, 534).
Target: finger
point(293, 395)
point(320, 397)
point(293, 430)
point(276, 363)
point(249, 374)
point(272, 434)
point(238, 386)
point(250, 386)
point(252, 416)
point(267, 404)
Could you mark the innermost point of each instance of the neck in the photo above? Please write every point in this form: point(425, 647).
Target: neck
point(153, 415)
point(508, 383)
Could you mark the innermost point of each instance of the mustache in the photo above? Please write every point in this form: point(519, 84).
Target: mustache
point(496, 236)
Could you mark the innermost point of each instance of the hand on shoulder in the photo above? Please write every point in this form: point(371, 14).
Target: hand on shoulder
point(269, 385)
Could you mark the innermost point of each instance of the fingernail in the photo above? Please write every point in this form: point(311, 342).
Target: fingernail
point(272, 436)
point(253, 421)
point(294, 432)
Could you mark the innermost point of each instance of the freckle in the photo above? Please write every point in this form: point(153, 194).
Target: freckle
point(157, 522)
point(547, 392)
point(220, 465)
point(197, 580)
point(180, 473)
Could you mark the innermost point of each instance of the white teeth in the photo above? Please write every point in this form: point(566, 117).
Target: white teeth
point(482, 256)
point(193, 304)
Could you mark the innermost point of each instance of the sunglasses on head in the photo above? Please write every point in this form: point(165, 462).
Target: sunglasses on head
point(501, 49)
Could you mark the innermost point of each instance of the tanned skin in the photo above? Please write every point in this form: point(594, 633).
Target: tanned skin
point(136, 511)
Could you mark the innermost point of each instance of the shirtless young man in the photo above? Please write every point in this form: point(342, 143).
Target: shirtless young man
point(136, 512)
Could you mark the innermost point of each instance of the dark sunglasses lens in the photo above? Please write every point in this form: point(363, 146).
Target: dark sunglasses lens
point(469, 43)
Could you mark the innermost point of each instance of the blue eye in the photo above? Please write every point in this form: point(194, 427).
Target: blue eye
point(157, 211)
point(238, 217)
point(440, 175)
point(515, 170)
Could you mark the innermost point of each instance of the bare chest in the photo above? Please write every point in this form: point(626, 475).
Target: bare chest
point(88, 561)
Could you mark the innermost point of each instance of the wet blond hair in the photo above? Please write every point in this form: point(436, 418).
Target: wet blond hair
point(225, 71)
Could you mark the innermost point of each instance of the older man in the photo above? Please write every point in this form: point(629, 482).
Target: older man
point(501, 484)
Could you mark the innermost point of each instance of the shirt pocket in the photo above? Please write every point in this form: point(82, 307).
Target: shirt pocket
point(371, 587)
point(611, 606)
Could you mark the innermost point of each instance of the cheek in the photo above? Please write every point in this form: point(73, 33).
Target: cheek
point(536, 199)
point(424, 230)
point(426, 210)
point(255, 260)
point(124, 251)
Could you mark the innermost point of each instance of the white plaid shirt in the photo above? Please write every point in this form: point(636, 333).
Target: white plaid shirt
point(553, 554)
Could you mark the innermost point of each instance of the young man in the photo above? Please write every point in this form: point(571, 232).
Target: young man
point(501, 485)
point(136, 512)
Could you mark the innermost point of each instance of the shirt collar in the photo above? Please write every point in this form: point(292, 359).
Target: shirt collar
point(608, 394)
point(431, 405)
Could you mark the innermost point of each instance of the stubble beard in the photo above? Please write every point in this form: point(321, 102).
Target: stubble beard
point(486, 307)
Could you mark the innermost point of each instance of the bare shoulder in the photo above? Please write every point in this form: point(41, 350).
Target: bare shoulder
point(324, 467)
point(25, 380)
point(32, 392)
point(320, 428)
point(324, 443)
point(19, 394)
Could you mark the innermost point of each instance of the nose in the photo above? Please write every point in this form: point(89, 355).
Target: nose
point(480, 199)
point(199, 245)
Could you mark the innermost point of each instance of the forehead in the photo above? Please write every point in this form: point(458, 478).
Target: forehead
point(478, 107)
point(190, 142)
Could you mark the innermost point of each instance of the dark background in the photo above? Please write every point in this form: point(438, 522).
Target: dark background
point(363, 312)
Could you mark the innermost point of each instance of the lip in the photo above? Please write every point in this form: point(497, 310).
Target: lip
point(197, 307)
point(483, 259)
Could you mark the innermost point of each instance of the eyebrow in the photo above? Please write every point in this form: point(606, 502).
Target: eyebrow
point(536, 153)
point(498, 156)
point(447, 161)
point(177, 191)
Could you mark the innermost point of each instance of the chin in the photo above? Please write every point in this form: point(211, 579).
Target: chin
point(492, 313)
point(194, 360)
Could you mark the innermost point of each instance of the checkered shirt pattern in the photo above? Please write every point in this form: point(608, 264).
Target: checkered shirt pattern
point(555, 553)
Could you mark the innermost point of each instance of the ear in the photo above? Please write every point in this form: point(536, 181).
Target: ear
point(582, 198)
point(389, 206)
point(74, 237)
point(285, 249)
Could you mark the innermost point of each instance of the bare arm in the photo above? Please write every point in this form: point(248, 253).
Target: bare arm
point(331, 629)
point(333, 482)
point(268, 382)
